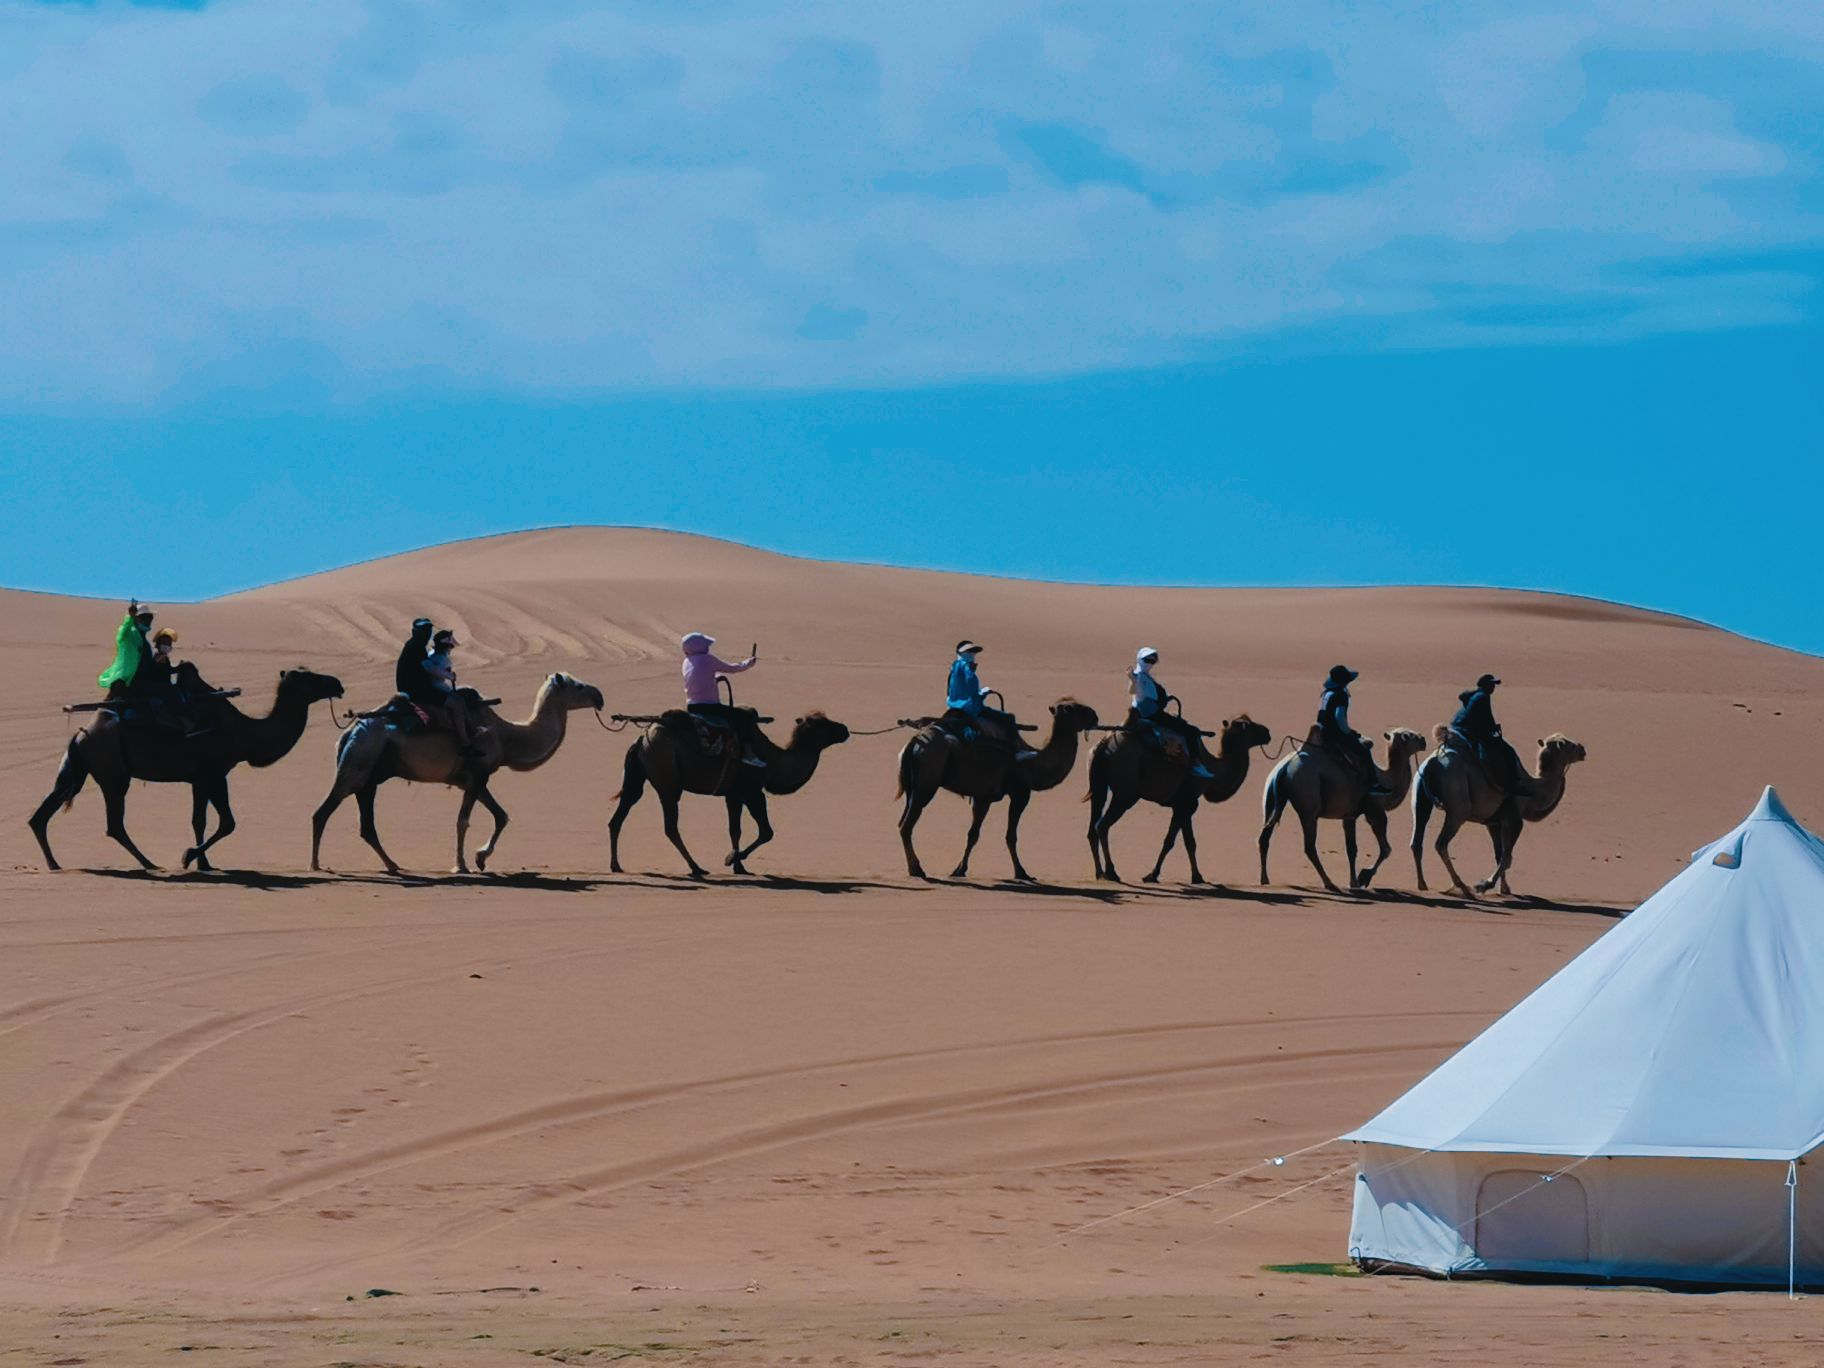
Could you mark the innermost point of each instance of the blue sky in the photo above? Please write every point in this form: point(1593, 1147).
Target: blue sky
point(1290, 293)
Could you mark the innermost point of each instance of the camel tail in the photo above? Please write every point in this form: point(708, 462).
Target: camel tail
point(633, 775)
point(906, 759)
point(1273, 798)
point(71, 774)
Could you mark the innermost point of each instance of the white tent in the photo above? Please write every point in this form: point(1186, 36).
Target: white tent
point(1649, 1111)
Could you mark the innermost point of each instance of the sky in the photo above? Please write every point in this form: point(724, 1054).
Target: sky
point(1195, 293)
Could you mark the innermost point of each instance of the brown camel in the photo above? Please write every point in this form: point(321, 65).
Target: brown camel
point(117, 753)
point(1458, 784)
point(1127, 767)
point(670, 756)
point(370, 753)
point(1318, 785)
point(985, 773)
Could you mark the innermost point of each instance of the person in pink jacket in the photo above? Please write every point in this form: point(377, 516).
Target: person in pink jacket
point(700, 695)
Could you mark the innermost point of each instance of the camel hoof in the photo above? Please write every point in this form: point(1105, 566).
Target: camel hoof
point(189, 857)
point(1463, 892)
point(614, 867)
point(1199, 881)
point(700, 875)
point(1024, 877)
point(960, 872)
point(738, 868)
point(1150, 878)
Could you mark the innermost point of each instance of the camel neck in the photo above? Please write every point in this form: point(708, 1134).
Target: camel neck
point(527, 745)
point(789, 767)
point(269, 739)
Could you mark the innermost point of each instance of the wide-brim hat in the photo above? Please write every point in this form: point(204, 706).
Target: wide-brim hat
point(165, 634)
point(967, 647)
point(1342, 674)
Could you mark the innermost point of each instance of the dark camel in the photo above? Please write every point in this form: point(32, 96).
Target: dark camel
point(1127, 767)
point(671, 758)
point(370, 753)
point(1318, 785)
point(1458, 785)
point(984, 773)
point(117, 753)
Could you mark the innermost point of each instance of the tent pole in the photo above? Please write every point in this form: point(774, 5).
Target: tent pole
point(1792, 1229)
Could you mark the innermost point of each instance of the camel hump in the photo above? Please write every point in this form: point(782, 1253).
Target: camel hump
point(1440, 734)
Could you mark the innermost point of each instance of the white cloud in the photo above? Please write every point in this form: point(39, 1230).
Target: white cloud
point(554, 199)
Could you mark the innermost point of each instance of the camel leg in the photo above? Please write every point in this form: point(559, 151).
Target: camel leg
point(462, 831)
point(1016, 804)
point(1165, 847)
point(763, 832)
point(1447, 831)
point(979, 808)
point(908, 820)
point(633, 784)
point(668, 805)
point(1273, 807)
point(1421, 816)
point(1502, 834)
point(1349, 850)
point(364, 800)
point(216, 793)
point(1377, 823)
point(70, 777)
point(1309, 822)
point(1098, 797)
point(1118, 806)
point(114, 794)
point(485, 796)
point(1187, 823)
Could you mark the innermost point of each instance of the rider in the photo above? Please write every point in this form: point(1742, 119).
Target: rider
point(1475, 724)
point(1146, 698)
point(700, 696)
point(436, 665)
point(1335, 733)
point(964, 694)
point(132, 652)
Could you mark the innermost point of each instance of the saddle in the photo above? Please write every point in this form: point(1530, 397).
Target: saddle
point(715, 737)
point(1361, 761)
point(1150, 733)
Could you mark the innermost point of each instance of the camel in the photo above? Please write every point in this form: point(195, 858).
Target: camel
point(1458, 784)
point(1127, 767)
point(984, 774)
point(670, 757)
point(370, 753)
point(1318, 784)
point(117, 753)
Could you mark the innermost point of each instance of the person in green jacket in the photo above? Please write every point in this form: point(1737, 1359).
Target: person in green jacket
point(132, 652)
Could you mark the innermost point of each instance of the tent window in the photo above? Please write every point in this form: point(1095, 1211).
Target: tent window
point(1523, 1219)
point(1730, 856)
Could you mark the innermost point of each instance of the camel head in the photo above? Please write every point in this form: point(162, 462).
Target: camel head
point(1240, 734)
point(1403, 743)
point(816, 732)
point(1558, 751)
point(1070, 715)
point(308, 686)
point(570, 693)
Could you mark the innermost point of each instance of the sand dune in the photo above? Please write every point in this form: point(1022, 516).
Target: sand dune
point(825, 1113)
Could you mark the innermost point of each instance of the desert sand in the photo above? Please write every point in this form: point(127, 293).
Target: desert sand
point(824, 1114)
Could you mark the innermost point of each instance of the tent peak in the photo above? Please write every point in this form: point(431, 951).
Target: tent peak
point(1771, 809)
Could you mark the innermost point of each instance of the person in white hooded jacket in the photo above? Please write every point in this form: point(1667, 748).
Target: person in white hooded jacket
point(1146, 699)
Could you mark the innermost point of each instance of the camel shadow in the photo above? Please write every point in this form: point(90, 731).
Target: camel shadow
point(1107, 896)
point(1495, 906)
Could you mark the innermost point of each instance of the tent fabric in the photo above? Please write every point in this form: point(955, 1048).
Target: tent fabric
point(1693, 1029)
point(1645, 1113)
point(1714, 1221)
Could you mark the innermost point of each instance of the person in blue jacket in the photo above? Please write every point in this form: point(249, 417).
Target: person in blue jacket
point(1146, 699)
point(964, 693)
point(1475, 724)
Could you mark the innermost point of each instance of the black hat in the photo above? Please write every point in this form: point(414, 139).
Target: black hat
point(967, 647)
point(421, 626)
point(1486, 682)
point(1342, 674)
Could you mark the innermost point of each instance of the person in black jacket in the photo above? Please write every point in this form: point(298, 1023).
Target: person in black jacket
point(1335, 733)
point(409, 676)
point(1475, 724)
